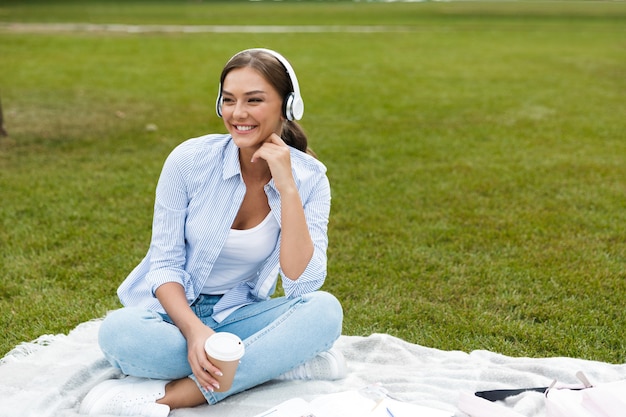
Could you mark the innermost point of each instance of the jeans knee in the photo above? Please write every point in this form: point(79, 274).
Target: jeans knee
point(329, 312)
point(332, 305)
point(141, 343)
point(119, 330)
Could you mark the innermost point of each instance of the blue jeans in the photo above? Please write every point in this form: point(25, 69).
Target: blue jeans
point(279, 334)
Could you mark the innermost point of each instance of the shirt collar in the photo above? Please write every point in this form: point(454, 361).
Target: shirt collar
point(231, 160)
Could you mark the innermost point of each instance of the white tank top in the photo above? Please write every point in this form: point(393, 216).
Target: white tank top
point(242, 255)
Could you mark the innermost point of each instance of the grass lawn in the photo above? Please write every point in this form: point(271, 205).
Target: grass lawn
point(477, 154)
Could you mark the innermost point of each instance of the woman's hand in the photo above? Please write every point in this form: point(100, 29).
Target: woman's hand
point(172, 298)
point(277, 155)
point(202, 368)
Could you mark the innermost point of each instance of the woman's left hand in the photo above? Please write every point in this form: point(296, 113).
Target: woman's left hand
point(278, 157)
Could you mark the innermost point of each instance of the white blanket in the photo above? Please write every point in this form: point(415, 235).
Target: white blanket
point(49, 376)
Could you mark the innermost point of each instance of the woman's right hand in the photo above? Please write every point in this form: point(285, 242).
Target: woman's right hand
point(172, 298)
point(202, 368)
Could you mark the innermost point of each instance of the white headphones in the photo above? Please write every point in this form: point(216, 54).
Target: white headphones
point(293, 106)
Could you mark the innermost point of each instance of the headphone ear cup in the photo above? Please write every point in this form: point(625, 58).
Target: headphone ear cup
point(219, 102)
point(293, 107)
point(297, 107)
point(287, 107)
point(218, 107)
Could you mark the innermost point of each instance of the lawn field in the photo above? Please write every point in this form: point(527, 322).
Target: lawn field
point(476, 153)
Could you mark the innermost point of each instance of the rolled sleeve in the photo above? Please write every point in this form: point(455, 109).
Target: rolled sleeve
point(168, 258)
point(168, 246)
point(316, 211)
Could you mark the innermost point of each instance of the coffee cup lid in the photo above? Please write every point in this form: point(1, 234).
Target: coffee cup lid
point(224, 346)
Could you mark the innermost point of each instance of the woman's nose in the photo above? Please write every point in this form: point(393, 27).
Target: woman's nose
point(240, 110)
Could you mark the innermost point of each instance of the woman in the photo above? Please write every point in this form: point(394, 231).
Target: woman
point(232, 212)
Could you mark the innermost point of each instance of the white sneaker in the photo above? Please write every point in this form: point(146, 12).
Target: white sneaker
point(128, 396)
point(329, 366)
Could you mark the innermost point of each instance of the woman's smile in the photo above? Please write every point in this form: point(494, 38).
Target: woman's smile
point(244, 128)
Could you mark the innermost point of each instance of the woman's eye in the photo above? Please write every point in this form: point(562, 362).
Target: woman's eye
point(255, 100)
point(227, 100)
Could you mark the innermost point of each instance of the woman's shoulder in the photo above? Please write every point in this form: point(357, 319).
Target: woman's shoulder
point(199, 148)
point(200, 144)
point(304, 161)
point(197, 155)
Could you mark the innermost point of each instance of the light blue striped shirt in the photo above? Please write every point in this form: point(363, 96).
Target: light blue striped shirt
point(198, 196)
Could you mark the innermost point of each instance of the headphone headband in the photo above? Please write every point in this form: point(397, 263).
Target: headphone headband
point(293, 106)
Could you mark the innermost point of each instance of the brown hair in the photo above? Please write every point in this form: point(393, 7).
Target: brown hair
point(274, 73)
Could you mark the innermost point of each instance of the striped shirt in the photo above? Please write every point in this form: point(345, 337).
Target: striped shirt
point(197, 198)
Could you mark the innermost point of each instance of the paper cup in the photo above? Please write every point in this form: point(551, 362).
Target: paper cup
point(224, 351)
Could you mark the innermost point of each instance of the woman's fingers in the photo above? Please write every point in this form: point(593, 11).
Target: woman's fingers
point(205, 373)
point(273, 145)
point(202, 368)
point(278, 157)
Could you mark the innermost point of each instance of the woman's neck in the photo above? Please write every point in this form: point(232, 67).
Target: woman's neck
point(257, 171)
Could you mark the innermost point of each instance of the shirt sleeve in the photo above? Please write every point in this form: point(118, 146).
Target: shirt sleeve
point(167, 247)
point(316, 210)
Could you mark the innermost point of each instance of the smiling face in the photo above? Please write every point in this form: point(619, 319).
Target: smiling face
point(251, 109)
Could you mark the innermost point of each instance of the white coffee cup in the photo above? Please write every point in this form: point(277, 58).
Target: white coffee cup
point(224, 350)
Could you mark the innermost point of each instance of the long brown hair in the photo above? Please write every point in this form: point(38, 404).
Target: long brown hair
point(274, 73)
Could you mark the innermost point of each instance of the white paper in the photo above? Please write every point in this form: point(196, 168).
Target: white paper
point(350, 404)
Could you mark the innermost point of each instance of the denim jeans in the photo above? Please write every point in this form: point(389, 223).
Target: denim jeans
point(279, 334)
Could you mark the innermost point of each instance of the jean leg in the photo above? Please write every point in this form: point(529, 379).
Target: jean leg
point(280, 334)
point(142, 344)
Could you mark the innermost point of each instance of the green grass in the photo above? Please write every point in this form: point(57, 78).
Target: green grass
point(477, 158)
